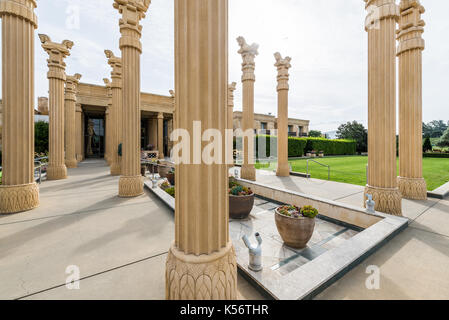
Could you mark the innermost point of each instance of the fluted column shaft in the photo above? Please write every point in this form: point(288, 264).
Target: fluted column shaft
point(282, 65)
point(79, 133)
point(382, 172)
point(230, 119)
point(56, 75)
point(411, 27)
point(108, 135)
point(69, 126)
point(201, 263)
point(248, 53)
point(131, 181)
point(18, 191)
point(160, 135)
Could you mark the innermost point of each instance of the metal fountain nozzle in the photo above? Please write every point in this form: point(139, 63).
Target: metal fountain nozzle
point(255, 253)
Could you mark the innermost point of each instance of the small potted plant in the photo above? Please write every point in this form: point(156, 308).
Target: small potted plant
point(313, 154)
point(295, 225)
point(241, 200)
point(171, 176)
point(321, 154)
point(164, 170)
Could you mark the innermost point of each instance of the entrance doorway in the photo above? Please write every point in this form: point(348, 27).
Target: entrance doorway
point(94, 136)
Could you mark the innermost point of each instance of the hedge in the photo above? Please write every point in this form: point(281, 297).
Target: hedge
point(297, 147)
point(436, 155)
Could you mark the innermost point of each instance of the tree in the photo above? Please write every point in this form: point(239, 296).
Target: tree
point(434, 129)
point(354, 131)
point(444, 141)
point(315, 134)
point(427, 146)
point(41, 137)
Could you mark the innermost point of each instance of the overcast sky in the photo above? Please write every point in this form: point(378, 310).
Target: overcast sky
point(325, 38)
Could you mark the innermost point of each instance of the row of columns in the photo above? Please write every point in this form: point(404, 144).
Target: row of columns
point(384, 185)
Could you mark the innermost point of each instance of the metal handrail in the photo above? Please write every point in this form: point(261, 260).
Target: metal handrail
point(321, 164)
point(38, 167)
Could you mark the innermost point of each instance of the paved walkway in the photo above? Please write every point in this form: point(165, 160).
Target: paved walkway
point(414, 265)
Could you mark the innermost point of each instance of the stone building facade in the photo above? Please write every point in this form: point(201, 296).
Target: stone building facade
point(265, 124)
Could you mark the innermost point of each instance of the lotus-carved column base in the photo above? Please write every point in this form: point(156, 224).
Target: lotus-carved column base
point(205, 277)
point(71, 164)
point(413, 188)
point(248, 172)
point(388, 200)
point(130, 186)
point(18, 198)
point(56, 172)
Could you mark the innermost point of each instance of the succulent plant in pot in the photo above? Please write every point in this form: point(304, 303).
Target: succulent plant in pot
point(241, 200)
point(295, 225)
point(171, 176)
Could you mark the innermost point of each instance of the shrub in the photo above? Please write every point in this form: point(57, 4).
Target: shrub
point(436, 155)
point(427, 146)
point(309, 212)
point(41, 137)
point(170, 191)
point(331, 147)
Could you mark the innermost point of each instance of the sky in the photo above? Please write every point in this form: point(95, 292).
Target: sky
point(325, 39)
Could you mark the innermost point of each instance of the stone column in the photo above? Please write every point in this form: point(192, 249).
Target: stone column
point(282, 65)
point(115, 116)
point(132, 11)
point(248, 55)
point(411, 27)
point(230, 119)
point(79, 133)
point(107, 153)
point(160, 135)
point(57, 52)
point(18, 191)
point(382, 172)
point(71, 86)
point(201, 263)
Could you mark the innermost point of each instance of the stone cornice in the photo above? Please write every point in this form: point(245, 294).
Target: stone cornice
point(23, 9)
point(57, 52)
point(132, 12)
point(282, 66)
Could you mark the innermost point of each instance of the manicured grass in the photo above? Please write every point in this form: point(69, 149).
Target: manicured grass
point(353, 169)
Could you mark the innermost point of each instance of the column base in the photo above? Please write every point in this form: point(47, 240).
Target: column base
point(79, 158)
point(71, 164)
point(130, 186)
point(56, 172)
point(205, 277)
point(18, 198)
point(413, 188)
point(388, 200)
point(248, 172)
point(115, 169)
point(283, 170)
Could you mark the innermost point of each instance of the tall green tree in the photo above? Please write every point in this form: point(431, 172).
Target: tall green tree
point(444, 140)
point(427, 146)
point(354, 131)
point(41, 137)
point(315, 134)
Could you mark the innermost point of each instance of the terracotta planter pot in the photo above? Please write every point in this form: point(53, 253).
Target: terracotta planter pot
point(240, 206)
point(164, 170)
point(171, 178)
point(296, 232)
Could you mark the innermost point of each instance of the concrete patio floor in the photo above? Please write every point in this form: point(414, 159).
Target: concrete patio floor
point(120, 245)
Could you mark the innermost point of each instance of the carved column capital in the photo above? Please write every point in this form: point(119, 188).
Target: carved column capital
point(411, 26)
point(24, 9)
point(248, 53)
point(160, 115)
point(283, 65)
point(231, 88)
point(379, 10)
point(71, 86)
point(57, 52)
point(116, 65)
point(78, 107)
point(132, 12)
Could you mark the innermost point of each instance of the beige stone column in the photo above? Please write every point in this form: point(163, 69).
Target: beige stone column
point(107, 153)
point(248, 78)
point(132, 11)
point(230, 118)
point(160, 135)
point(382, 172)
point(201, 263)
point(71, 87)
point(116, 115)
point(411, 27)
point(18, 191)
point(79, 133)
point(282, 65)
point(57, 52)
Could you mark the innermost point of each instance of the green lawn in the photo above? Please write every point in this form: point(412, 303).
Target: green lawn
point(353, 169)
